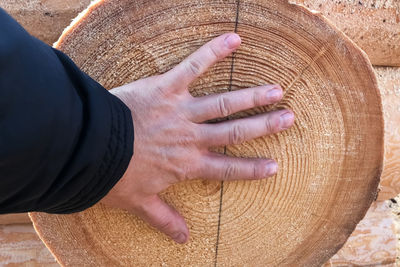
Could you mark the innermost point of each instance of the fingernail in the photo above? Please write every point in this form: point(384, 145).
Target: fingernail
point(274, 94)
point(232, 41)
point(286, 120)
point(181, 238)
point(272, 168)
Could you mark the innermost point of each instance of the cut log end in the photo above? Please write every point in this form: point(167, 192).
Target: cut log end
point(389, 85)
point(20, 246)
point(44, 19)
point(373, 242)
point(330, 161)
point(372, 24)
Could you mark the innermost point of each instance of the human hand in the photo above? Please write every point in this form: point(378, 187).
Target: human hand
point(172, 141)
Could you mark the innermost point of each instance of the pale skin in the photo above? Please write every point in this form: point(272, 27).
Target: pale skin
point(173, 141)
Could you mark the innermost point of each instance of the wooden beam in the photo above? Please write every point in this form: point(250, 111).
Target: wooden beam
point(389, 85)
point(20, 246)
point(373, 242)
point(372, 24)
point(14, 218)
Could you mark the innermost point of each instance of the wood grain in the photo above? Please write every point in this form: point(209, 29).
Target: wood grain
point(374, 25)
point(330, 161)
point(373, 242)
point(44, 19)
point(20, 246)
point(395, 207)
point(14, 218)
point(389, 84)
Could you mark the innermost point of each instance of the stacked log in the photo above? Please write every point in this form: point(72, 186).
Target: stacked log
point(389, 85)
point(20, 246)
point(44, 19)
point(378, 34)
point(373, 242)
point(374, 25)
point(14, 218)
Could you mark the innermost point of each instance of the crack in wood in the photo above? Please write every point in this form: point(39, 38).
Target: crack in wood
point(313, 60)
point(222, 182)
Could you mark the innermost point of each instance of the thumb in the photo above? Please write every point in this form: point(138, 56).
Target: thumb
point(166, 219)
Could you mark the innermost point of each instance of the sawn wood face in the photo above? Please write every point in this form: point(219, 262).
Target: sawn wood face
point(330, 161)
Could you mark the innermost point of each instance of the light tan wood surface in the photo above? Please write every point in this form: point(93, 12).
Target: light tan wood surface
point(330, 161)
point(14, 218)
point(373, 242)
point(44, 19)
point(373, 24)
point(389, 84)
point(20, 246)
point(395, 207)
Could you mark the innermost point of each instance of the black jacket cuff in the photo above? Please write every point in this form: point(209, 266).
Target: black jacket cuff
point(113, 165)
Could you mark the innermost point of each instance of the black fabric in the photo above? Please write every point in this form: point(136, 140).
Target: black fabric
point(64, 139)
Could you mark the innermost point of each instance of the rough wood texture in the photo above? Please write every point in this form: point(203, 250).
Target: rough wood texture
point(44, 19)
point(20, 246)
point(394, 205)
point(389, 84)
point(14, 218)
point(373, 243)
point(372, 24)
point(330, 161)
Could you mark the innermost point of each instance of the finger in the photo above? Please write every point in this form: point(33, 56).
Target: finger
point(221, 105)
point(215, 166)
point(240, 130)
point(198, 62)
point(164, 218)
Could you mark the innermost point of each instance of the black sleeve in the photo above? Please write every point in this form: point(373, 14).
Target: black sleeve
point(65, 141)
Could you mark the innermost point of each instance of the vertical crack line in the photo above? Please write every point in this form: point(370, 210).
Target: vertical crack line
point(222, 182)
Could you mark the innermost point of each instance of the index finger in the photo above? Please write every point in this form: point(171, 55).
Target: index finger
point(206, 56)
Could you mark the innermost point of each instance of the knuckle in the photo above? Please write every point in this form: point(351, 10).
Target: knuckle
point(257, 170)
point(230, 171)
point(257, 99)
point(187, 170)
point(166, 225)
point(214, 52)
point(187, 138)
point(270, 125)
point(224, 106)
point(237, 134)
point(194, 67)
